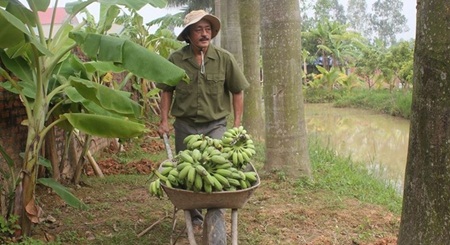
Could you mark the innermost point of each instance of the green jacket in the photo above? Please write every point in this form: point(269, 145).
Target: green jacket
point(208, 96)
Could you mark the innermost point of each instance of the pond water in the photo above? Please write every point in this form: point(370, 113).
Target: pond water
point(378, 141)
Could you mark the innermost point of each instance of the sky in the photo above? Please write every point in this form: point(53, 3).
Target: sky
point(149, 13)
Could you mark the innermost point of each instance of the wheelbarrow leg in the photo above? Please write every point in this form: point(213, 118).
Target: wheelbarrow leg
point(190, 230)
point(234, 226)
point(214, 228)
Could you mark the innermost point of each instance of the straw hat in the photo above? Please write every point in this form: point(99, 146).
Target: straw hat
point(194, 17)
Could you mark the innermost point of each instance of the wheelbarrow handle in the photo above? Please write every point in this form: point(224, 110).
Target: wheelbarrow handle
point(167, 146)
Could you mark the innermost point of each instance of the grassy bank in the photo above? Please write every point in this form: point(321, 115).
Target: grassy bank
point(395, 103)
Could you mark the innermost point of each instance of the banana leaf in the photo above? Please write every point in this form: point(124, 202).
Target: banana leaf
point(63, 192)
point(112, 100)
point(131, 56)
point(105, 126)
point(13, 33)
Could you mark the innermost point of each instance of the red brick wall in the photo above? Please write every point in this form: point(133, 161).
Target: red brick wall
point(12, 134)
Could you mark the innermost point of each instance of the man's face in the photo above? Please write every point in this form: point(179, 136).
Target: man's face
point(200, 34)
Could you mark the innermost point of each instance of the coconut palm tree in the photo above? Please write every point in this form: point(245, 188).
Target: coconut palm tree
point(286, 138)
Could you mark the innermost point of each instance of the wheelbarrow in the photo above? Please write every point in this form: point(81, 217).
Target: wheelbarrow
point(214, 232)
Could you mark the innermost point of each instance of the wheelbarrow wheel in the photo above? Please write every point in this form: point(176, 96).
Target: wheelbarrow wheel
point(214, 228)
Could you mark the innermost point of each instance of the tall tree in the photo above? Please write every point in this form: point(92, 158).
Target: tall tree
point(387, 20)
point(253, 118)
point(232, 30)
point(286, 138)
point(308, 21)
point(329, 10)
point(357, 16)
point(426, 210)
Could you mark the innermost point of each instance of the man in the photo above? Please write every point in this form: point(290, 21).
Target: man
point(215, 88)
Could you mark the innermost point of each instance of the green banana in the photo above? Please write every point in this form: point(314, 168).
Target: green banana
point(160, 176)
point(151, 188)
point(217, 143)
point(193, 139)
point(196, 155)
point(251, 176)
point(182, 174)
point(188, 138)
point(201, 170)
point(159, 192)
point(198, 182)
point(218, 159)
point(245, 156)
point(185, 156)
point(227, 141)
point(196, 144)
point(217, 185)
point(234, 182)
point(191, 178)
point(223, 180)
point(243, 184)
point(226, 165)
point(234, 158)
point(207, 186)
point(243, 176)
point(240, 157)
point(165, 171)
point(224, 172)
point(173, 180)
point(168, 183)
point(203, 145)
point(209, 179)
point(168, 163)
point(182, 165)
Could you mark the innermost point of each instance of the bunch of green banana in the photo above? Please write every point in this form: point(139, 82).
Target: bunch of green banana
point(209, 165)
point(231, 178)
point(200, 142)
point(239, 146)
point(167, 175)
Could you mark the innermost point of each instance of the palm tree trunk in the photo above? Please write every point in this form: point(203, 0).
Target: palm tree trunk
point(253, 119)
point(286, 138)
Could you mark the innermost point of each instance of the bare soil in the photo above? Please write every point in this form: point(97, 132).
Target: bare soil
point(277, 213)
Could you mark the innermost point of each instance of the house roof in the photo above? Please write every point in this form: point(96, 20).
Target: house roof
point(60, 16)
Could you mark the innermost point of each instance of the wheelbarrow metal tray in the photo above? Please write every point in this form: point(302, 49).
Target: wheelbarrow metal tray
point(184, 199)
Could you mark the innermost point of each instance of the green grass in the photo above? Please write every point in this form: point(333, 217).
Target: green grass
point(395, 103)
point(346, 178)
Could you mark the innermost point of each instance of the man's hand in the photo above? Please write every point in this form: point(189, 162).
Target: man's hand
point(163, 129)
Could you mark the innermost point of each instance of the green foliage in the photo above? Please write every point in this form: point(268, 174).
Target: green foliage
point(395, 103)
point(8, 226)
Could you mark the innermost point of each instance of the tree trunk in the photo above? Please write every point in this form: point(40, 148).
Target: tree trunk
point(224, 25)
point(426, 211)
point(218, 13)
point(253, 119)
point(25, 191)
point(286, 138)
point(233, 33)
point(52, 154)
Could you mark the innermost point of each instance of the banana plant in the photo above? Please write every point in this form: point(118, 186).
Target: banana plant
point(50, 80)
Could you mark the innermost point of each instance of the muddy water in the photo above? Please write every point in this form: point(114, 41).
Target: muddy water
point(378, 141)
